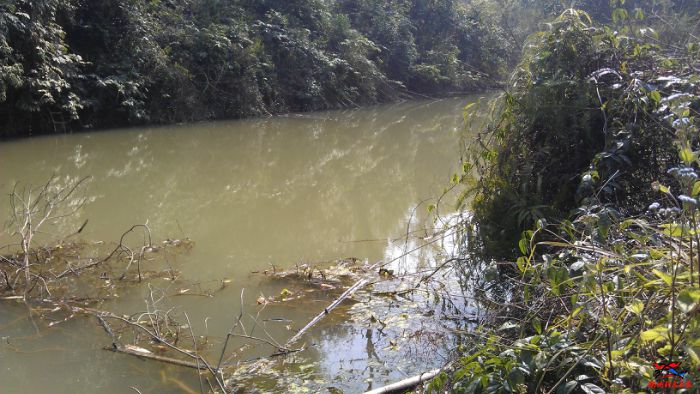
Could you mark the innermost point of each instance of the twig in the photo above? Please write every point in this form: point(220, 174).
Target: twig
point(281, 349)
point(194, 344)
point(159, 339)
point(230, 333)
point(155, 357)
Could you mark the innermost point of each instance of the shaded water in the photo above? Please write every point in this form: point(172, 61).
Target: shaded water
point(251, 194)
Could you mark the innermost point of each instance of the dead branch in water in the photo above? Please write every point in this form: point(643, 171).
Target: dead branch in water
point(155, 335)
point(31, 275)
point(154, 330)
point(156, 357)
point(30, 211)
point(33, 209)
point(116, 253)
point(358, 285)
point(406, 384)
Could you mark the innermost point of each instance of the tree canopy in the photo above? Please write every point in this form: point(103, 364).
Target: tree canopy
point(71, 64)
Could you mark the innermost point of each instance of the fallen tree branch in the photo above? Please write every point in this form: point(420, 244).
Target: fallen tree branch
point(323, 313)
point(406, 384)
point(119, 248)
point(151, 356)
point(200, 362)
point(358, 285)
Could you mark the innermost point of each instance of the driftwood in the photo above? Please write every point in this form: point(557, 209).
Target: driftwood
point(157, 326)
point(406, 384)
point(199, 362)
point(358, 285)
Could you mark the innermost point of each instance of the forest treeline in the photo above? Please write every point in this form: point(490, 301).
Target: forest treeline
point(72, 64)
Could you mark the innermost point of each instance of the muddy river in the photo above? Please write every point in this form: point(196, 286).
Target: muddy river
point(251, 194)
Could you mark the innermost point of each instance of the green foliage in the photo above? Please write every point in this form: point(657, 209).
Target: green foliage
point(579, 125)
point(38, 70)
point(604, 299)
point(599, 135)
point(96, 63)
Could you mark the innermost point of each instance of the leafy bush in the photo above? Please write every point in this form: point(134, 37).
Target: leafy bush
point(599, 137)
point(578, 124)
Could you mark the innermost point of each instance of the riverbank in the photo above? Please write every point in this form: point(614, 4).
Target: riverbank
point(585, 203)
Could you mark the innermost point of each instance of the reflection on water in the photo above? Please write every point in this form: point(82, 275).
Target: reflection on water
point(250, 193)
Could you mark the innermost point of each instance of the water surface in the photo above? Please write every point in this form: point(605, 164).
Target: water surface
point(251, 194)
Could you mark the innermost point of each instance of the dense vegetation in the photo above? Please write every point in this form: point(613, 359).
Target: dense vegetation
point(70, 64)
point(584, 187)
point(589, 173)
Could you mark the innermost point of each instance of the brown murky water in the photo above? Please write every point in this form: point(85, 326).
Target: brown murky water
point(250, 193)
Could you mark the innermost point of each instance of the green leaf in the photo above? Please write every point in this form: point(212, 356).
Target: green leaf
point(537, 325)
point(687, 156)
point(665, 350)
point(526, 294)
point(556, 276)
point(664, 276)
point(466, 167)
point(576, 312)
point(696, 188)
point(635, 307)
point(672, 229)
point(619, 15)
point(656, 185)
point(687, 299)
point(523, 245)
point(285, 292)
point(522, 263)
point(567, 388)
point(616, 354)
point(656, 253)
point(656, 334)
point(655, 96)
point(462, 372)
point(590, 388)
